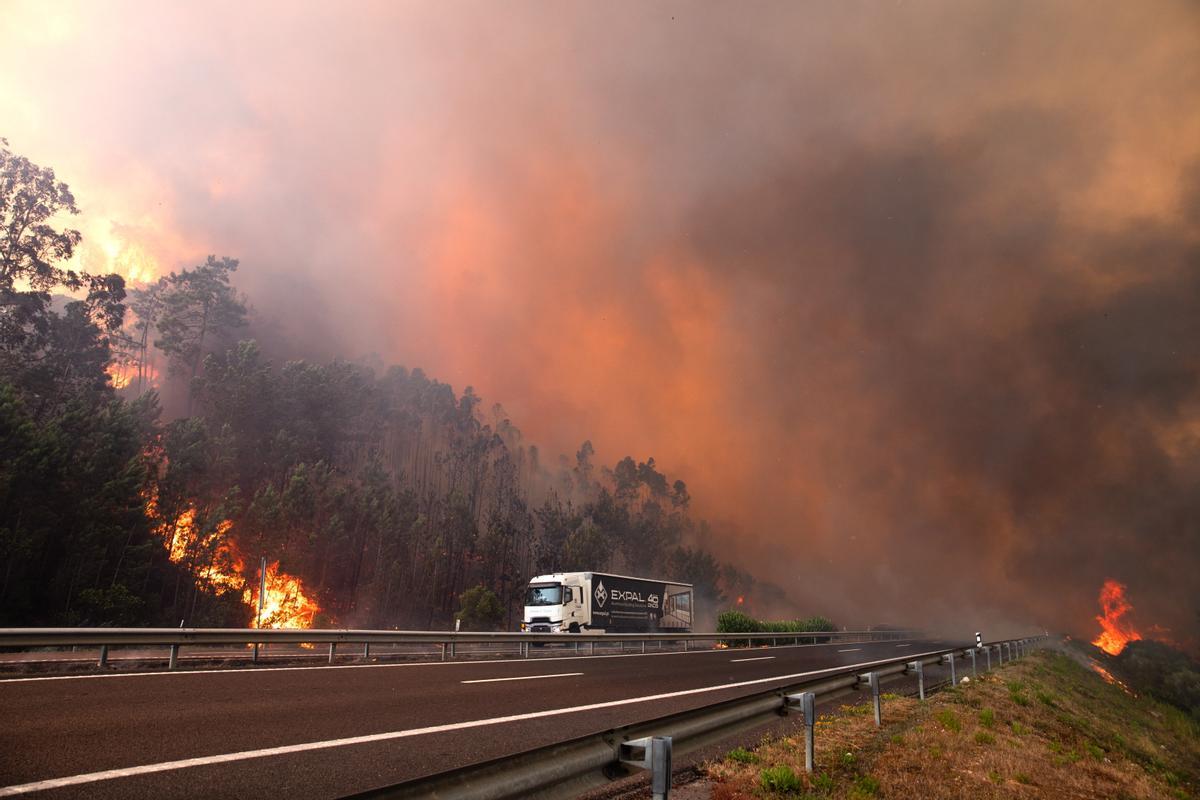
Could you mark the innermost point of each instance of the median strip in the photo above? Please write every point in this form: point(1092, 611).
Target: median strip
point(523, 677)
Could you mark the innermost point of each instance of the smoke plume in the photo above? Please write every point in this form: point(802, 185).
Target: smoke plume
point(908, 293)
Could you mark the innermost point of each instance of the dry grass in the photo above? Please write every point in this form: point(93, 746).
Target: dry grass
point(1043, 727)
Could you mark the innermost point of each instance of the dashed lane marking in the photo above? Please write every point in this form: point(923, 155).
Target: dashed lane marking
point(523, 677)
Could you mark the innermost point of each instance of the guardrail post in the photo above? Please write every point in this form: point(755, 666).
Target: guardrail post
point(919, 668)
point(174, 660)
point(656, 757)
point(254, 658)
point(103, 662)
point(808, 708)
point(971, 653)
point(332, 649)
point(987, 651)
point(453, 649)
point(949, 659)
point(366, 650)
point(872, 680)
point(643, 647)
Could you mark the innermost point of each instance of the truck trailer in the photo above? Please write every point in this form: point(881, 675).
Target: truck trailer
point(596, 602)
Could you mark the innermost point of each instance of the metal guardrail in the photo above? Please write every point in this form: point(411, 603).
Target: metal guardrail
point(564, 768)
point(176, 638)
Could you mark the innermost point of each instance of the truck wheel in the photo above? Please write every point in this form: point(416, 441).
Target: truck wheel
point(574, 627)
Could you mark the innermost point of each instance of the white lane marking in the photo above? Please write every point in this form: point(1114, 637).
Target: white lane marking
point(224, 758)
point(523, 678)
point(759, 658)
point(269, 670)
point(904, 645)
point(851, 650)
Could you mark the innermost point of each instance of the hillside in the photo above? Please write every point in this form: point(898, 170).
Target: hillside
point(1046, 726)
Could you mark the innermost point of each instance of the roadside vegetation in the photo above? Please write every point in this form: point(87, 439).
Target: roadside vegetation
point(1044, 726)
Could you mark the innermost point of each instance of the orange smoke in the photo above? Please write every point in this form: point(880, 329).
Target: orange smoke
point(1115, 633)
point(285, 604)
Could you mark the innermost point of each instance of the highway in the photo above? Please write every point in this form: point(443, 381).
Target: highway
point(328, 731)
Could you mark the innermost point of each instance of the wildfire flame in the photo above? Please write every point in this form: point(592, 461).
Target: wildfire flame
point(1115, 633)
point(125, 374)
point(1111, 679)
point(285, 604)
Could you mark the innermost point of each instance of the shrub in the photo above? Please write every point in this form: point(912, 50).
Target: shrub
point(480, 609)
point(983, 737)
point(780, 779)
point(865, 786)
point(741, 755)
point(739, 622)
point(987, 718)
point(949, 720)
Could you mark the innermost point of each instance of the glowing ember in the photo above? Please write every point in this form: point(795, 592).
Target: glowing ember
point(1110, 678)
point(1114, 633)
point(741, 600)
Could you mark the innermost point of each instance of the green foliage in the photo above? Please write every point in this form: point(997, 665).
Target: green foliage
point(734, 621)
point(949, 720)
point(823, 783)
point(983, 737)
point(741, 755)
point(479, 609)
point(865, 786)
point(781, 780)
point(987, 718)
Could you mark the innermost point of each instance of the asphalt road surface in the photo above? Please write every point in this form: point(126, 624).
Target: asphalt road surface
point(328, 731)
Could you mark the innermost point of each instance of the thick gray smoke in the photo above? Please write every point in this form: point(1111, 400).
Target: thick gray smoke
point(907, 293)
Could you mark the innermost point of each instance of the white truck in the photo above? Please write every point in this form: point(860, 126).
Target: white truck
point(574, 602)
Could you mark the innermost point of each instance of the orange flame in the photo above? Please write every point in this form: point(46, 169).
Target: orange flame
point(1115, 633)
point(1111, 679)
point(124, 374)
point(119, 374)
point(285, 604)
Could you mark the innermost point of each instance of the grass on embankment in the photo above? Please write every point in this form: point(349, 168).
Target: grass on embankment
point(1044, 726)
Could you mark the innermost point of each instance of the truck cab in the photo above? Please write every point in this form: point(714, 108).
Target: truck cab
point(556, 603)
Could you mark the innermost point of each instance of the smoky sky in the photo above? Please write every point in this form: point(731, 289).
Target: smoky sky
point(906, 292)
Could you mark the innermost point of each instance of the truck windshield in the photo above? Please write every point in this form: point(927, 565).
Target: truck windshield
point(547, 595)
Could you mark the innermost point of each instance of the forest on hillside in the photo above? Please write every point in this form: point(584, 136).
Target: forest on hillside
point(374, 498)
